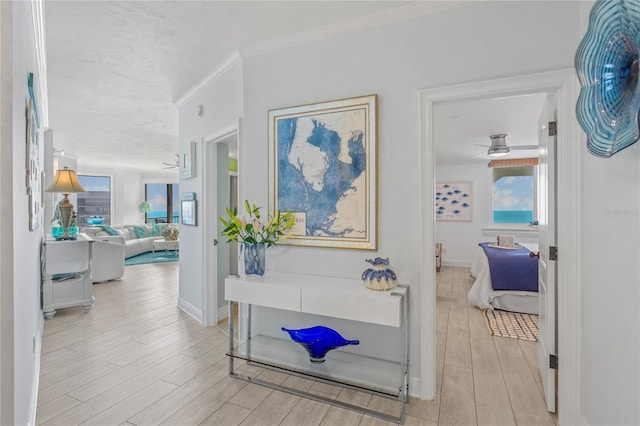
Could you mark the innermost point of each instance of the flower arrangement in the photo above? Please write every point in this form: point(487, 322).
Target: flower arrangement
point(170, 233)
point(250, 229)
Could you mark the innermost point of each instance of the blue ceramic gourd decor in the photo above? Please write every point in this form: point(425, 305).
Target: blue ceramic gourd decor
point(379, 277)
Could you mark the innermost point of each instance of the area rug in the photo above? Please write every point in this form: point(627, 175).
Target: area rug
point(512, 325)
point(149, 257)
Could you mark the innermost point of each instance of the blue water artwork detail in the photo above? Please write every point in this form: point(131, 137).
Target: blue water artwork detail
point(512, 216)
point(453, 201)
point(317, 169)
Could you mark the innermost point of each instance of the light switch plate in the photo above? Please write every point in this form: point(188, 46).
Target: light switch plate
point(187, 160)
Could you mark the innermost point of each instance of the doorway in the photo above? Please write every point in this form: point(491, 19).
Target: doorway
point(563, 85)
point(220, 190)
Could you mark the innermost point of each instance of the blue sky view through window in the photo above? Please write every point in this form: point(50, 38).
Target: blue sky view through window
point(95, 183)
point(513, 199)
point(157, 197)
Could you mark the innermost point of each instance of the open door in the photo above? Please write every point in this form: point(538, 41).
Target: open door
point(547, 360)
point(216, 191)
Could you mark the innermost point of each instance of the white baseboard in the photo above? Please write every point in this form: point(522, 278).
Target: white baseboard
point(463, 263)
point(415, 384)
point(188, 308)
point(223, 312)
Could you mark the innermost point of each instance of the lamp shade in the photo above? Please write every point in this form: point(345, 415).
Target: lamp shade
point(66, 182)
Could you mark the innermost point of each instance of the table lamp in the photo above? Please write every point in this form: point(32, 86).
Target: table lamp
point(65, 181)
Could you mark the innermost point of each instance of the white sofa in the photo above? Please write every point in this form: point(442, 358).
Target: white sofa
point(137, 238)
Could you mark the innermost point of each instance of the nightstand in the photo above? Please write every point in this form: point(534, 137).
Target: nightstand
point(66, 274)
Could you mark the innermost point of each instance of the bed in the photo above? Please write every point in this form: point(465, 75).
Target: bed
point(516, 276)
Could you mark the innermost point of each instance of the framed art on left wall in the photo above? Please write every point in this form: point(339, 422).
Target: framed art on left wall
point(32, 164)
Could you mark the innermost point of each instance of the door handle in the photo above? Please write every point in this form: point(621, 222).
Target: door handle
point(532, 255)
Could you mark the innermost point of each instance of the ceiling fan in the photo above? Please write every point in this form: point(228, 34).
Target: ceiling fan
point(499, 147)
point(174, 165)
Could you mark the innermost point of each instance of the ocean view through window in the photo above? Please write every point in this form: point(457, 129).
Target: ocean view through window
point(514, 195)
point(164, 201)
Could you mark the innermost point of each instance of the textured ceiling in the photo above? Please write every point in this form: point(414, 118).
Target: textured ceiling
point(115, 68)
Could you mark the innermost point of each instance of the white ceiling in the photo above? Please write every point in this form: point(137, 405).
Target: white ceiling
point(460, 128)
point(115, 69)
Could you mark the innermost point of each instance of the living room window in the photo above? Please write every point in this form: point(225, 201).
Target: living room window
point(164, 201)
point(514, 194)
point(96, 201)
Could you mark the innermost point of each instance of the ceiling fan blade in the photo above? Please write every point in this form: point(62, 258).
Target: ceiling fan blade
point(523, 147)
point(481, 155)
point(484, 146)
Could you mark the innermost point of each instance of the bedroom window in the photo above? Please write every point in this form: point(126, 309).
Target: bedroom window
point(514, 194)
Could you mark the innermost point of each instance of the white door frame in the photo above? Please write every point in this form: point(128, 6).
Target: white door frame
point(571, 142)
point(210, 221)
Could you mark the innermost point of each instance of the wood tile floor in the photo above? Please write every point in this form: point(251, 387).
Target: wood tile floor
point(135, 359)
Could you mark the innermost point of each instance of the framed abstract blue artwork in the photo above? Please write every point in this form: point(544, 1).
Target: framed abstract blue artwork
point(453, 201)
point(322, 168)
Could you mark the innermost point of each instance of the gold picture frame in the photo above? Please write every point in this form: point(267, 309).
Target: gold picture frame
point(323, 169)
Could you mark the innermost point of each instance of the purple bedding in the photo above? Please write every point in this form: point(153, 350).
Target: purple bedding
point(511, 269)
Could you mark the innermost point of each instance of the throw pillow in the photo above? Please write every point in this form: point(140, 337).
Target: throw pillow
point(157, 230)
point(109, 230)
point(141, 231)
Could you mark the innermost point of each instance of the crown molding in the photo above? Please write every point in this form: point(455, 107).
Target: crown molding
point(353, 25)
point(219, 70)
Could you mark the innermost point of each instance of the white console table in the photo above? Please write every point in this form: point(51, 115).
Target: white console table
point(344, 299)
point(66, 274)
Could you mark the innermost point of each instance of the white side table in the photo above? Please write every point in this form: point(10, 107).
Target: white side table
point(66, 274)
point(164, 244)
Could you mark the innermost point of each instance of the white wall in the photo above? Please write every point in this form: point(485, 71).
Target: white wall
point(6, 214)
point(395, 62)
point(460, 239)
point(22, 321)
point(611, 295)
point(222, 103)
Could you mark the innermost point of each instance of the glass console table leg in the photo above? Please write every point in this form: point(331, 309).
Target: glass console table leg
point(231, 336)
